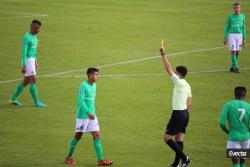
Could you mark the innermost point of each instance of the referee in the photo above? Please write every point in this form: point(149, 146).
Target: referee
point(181, 103)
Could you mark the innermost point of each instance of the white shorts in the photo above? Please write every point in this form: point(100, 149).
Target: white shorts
point(235, 41)
point(30, 67)
point(238, 145)
point(87, 125)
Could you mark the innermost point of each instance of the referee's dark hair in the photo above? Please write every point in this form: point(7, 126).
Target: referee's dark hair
point(240, 92)
point(92, 70)
point(36, 22)
point(182, 70)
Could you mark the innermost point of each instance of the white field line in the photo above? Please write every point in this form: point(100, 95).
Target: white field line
point(21, 15)
point(137, 60)
point(35, 15)
point(121, 63)
point(143, 74)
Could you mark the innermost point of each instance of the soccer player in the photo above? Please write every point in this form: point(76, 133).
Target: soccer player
point(29, 65)
point(235, 35)
point(181, 104)
point(86, 120)
point(237, 114)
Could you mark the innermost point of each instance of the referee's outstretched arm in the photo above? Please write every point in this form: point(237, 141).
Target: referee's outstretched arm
point(166, 63)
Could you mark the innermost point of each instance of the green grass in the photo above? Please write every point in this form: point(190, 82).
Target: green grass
point(133, 111)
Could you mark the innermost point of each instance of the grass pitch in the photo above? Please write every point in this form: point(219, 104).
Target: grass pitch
point(133, 109)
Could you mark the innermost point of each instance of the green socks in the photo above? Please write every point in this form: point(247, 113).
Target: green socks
point(98, 149)
point(234, 59)
point(236, 165)
point(97, 146)
point(237, 57)
point(33, 92)
point(72, 147)
point(243, 165)
point(19, 90)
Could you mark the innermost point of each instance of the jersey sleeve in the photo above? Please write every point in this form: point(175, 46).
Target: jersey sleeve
point(82, 103)
point(223, 119)
point(175, 78)
point(25, 45)
point(244, 29)
point(226, 27)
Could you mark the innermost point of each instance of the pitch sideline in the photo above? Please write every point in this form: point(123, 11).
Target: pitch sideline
point(120, 63)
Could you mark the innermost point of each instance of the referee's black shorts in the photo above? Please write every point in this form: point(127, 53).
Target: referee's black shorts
point(178, 122)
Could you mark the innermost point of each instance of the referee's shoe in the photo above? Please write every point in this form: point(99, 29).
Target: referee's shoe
point(186, 162)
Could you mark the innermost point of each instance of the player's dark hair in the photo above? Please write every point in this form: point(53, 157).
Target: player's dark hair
point(240, 92)
point(182, 70)
point(36, 22)
point(91, 70)
point(236, 4)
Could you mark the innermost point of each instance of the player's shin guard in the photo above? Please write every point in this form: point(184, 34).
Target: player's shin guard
point(19, 90)
point(177, 149)
point(98, 149)
point(72, 147)
point(236, 165)
point(33, 92)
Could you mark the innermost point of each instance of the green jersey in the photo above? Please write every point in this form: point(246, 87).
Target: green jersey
point(237, 113)
point(235, 24)
point(86, 100)
point(29, 47)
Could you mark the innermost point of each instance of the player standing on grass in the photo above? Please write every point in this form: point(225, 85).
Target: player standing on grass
point(235, 35)
point(237, 114)
point(181, 103)
point(86, 120)
point(29, 65)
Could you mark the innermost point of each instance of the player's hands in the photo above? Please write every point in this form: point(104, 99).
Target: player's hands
point(162, 49)
point(243, 42)
point(23, 70)
point(91, 116)
point(37, 66)
point(225, 41)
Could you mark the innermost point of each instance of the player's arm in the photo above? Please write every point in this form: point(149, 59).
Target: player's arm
point(244, 31)
point(83, 105)
point(226, 28)
point(166, 63)
point(223, 119)
point(189, 99)
point(25, 46)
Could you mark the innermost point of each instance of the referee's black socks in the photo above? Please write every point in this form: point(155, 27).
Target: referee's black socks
point(177, 157)
point(177, 149)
